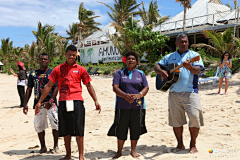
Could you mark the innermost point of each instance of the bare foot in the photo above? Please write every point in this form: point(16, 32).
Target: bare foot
point(193, 150)
point(67, 157)
point(81, 158)
point(117, 155)
point(43, 150)
point(135, 154)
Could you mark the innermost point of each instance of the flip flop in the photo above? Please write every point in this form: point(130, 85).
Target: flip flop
point(174, 150)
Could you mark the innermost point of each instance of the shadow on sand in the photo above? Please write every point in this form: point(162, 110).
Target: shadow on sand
point(34, 154)
point(12, 107)
point(147, 152)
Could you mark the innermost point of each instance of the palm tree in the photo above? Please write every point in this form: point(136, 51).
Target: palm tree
point(186, 4)
point(235, 5)
point(87, 24)
point(62, 46)
point(221, 42)
point(122, 10)
point(73, 33)
point(32, 55)
point(152, 17)
point(17, 53)
point(46, 40)
point(50, 46)
point(42, 32)
point(6, 48)
point(121, 39)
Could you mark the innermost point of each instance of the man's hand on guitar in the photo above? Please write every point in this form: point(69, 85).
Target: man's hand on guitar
point(164, 74)
point(187, 64)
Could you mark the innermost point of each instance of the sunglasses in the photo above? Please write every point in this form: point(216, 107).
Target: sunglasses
point(226, 55)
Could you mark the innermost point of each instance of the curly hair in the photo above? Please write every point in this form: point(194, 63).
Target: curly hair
point(131, 53)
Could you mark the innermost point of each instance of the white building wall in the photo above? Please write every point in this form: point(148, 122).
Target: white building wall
point(105, 53)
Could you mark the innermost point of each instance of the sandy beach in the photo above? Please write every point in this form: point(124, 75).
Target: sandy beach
point(221, 132)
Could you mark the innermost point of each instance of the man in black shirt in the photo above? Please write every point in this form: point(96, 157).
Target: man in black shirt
point(38, 79)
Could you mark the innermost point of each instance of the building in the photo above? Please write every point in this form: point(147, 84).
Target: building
point(203, 15)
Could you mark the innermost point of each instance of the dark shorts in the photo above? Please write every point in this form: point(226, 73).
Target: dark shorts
point(134, 119)
point(71, 123)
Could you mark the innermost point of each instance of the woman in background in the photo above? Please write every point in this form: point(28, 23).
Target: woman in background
point(225, 65)
point(21, 81)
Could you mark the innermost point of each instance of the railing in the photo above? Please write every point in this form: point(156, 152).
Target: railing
point(210, 20)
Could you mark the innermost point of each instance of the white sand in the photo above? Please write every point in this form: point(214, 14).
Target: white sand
point(221, 132)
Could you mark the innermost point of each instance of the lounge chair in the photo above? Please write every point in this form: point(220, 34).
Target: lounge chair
point(95, 72)
point(214, 78)
point(89, 69)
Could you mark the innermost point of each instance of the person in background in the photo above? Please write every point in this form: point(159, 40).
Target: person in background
point(21, 81)
point(38, 80)
point(130, 86)
point(225, 65)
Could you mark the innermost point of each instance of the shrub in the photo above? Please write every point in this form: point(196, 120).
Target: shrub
point(146, 71)
point(211, 72)
point(153, 74)
point(107, 71)
point(235, 65)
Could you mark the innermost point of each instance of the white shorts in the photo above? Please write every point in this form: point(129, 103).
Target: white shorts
point(40, 120)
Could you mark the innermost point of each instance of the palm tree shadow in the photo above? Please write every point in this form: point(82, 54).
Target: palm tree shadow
point(147, 152)
point(12, 107)
point(33, 154)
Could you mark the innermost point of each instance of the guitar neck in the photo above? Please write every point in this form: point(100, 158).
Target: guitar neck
point(176, 68)
point(197, 58)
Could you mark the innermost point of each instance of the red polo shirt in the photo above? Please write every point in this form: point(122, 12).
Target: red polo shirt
point(69, 80)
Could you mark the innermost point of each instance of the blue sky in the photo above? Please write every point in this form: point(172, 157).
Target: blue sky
point(18, 18)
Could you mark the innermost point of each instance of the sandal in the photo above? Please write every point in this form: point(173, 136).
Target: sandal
point(174, 150)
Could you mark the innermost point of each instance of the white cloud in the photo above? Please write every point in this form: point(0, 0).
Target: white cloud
point(27, 13)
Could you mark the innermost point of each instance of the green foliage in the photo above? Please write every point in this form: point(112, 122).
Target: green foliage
point(56, 61)
point(235, 65)
point(122, 10)
point(220, 42)
point(107, 71)
point(149, 41)
point(153, 74)
point(152, 17)
point(146, 71)
point(87, 25)
point(211, 72)
point(73, 32)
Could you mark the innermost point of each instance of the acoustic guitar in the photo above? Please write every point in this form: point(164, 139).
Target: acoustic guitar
point(173, 75)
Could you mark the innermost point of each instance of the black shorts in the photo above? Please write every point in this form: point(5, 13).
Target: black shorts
point(71, 123)
point(134, 119)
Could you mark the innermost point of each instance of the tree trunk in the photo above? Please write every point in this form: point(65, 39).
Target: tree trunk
point(184, 19)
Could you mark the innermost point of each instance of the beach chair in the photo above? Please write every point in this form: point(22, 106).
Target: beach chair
point(214, 78)
point(89, 69)
point(95, 72)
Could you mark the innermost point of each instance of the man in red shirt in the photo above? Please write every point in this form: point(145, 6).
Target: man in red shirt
point(71, 111)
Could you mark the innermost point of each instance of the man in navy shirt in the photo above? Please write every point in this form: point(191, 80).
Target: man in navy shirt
point(183, 95)
point(38, 79)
